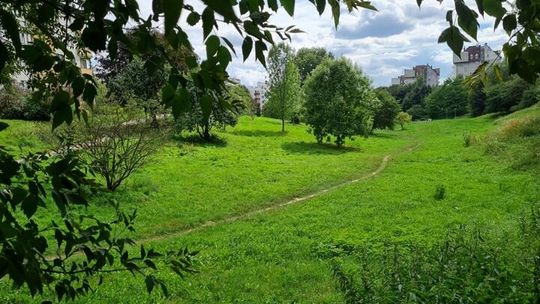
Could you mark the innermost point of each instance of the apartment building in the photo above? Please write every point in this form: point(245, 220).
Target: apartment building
point(428, 74)
point(472, 57)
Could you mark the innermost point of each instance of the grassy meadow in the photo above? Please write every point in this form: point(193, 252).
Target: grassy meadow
point(275, 256)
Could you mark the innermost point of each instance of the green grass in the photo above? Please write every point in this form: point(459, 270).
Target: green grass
point(21, 136)
point(273, 257)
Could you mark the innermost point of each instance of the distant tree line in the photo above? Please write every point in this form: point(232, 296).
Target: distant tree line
point(493, 90)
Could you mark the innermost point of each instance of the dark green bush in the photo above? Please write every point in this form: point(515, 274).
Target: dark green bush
point(530, 97)
point(440, 192)
point(16, 104)
point(503, 96)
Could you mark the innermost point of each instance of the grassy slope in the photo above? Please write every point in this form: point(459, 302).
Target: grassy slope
point(271, 258)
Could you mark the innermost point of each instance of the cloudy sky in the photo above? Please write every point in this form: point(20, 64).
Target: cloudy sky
point(398, 36)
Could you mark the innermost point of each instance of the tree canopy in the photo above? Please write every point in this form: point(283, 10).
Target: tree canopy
point(339, 101)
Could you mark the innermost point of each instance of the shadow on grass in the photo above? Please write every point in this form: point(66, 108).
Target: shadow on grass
point(383, 135)
point(315, 148)
point(259, 133)
point(194, 139)
point(3, 125)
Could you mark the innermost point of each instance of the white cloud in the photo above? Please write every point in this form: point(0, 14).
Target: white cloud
point(400, 35)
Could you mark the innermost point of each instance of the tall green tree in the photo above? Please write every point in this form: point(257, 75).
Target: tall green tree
point(339, 100)
point(284, 84)
point(448, 100)
point(387, 110)
point(477, 99)
point(307, 59)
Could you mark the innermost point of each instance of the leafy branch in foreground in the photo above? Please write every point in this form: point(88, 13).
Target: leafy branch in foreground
point(73, 247)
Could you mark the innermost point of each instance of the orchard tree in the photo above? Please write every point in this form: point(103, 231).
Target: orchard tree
point(63, 27)
point(283, 84)
point(387, 110)
point(338, 101)
point(307, 59)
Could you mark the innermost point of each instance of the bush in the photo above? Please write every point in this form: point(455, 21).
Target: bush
point(530, 97)
point(17, 104)
point(403, 118)
point(503, 96)
point(387, 110)
point(477, 99)
point(338, 101)
point(448, 100)
point(465, 267)
point(117, 144)
point(418, 112)
point(220, 116)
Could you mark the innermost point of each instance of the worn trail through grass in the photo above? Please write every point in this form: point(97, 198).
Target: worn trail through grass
point(382, 166)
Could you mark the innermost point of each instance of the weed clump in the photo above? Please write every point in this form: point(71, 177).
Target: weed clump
point(440, 192)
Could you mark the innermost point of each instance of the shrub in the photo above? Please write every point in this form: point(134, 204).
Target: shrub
point(440, 192)
point(117, 144)
point(403, 118)
point(387, 110)
point(465, 267)
point(17, 104)
point(418, 112)
point(338, 101)
point(194, 120)
point(530, 97)
point(448, 100)
point(477, 99)
point(502, 96)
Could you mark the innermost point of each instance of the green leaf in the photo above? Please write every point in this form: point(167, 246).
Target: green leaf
point(321, 5)
point(494, 8)
point(11, 28)
point(467, 18)
point(288, 5)
point(167, 94)
point(449, 17)
point(212, 45)
point(4, 55)
point(273, 5)
point(181, 102)
point(509, 23)
point(208, 21)
point(453, 37)
point(480, 5)
point(193, 18)
point(172, 10)
point(229, 44)
point(150, 283)
point(367, 5)
point(419, 2)
point(247, 46)
point(224, 8)
point(224, 56)
point(90, 93)
point(335, 11)
point(206, 106)
point(260, 47)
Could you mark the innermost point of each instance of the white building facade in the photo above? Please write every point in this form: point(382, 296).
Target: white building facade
point(472, 57)
point(426, 72)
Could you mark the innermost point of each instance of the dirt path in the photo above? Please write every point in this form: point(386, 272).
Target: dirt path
point(297, 200)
